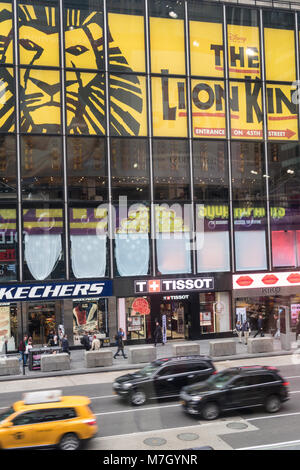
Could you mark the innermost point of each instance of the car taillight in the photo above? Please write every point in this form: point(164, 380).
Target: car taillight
point(91, 422)
point(214, 372)
point(286, 384)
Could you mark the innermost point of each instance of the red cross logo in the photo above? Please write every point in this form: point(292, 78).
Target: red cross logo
point(154, 286)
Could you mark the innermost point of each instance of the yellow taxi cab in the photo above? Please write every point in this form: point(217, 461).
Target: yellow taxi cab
point(47, 418)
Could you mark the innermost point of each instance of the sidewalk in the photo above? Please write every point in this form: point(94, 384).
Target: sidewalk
point(119, 364)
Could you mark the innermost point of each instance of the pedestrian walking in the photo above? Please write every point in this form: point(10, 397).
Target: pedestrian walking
point(246, 330)
point(85, 341)
point(65, 344)
point(277, 333)
point(120, 343)
point(96, 343)
point(22, 348)
point(158, 336)
point(27, 349)
point(238, 327)
point(260, 323)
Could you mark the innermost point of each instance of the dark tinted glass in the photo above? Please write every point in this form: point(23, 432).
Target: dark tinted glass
point(7, 167)
point(284, 171)
point(166, 8)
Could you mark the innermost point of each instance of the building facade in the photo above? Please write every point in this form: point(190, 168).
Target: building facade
point(149, 165)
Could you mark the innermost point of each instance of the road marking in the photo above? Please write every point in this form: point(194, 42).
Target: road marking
point(274, 416)
point(287, 443)
point(137, 409)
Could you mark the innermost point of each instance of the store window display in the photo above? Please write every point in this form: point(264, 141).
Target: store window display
point(134, 315)
point(214, 312)
point(91, 316)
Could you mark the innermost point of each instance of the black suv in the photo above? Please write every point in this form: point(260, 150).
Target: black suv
point(237, 387)
point(163, 378)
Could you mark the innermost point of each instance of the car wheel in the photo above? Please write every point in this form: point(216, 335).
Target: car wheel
point(273, 404)
point(69, 442)
point(210, 411)
point(138, 398)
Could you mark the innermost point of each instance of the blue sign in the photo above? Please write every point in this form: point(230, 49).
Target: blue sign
point(57, 290)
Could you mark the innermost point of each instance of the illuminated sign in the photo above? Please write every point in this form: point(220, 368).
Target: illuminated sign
point(168, 285)
point(266, 280)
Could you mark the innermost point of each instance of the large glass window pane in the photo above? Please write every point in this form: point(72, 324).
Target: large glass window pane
point(127, 29)
point(83, 23)
point(169, 108)
point(210, 164)
point(128, 109)
point(7, 100)
point(130, 169)
point(8, 167)
point(40, 101)
point(132, 239)
point(214, 312)
point(206, 39)
point(172, 238)
point(39, 33)
point(87, 170)
point(248, 171)
point(246, 110)
point(284, 171)
point(243, 42)
point(41, 167)
point(167, 43)
point(85, 103)
point(208, 109)
point(43, 243)
point(8, 244)
point(280, 57)
point(88, 229)
point(6, 37)
point(212, 237)
point(171, 169)
point(282, 112)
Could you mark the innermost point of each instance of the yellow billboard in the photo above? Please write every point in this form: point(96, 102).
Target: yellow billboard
point(282, 112)
point(206, 49)
point(208, 109)
point(243, 51)
point(280, 57)
point(246, 110)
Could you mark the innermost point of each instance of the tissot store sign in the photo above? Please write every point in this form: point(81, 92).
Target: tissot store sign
point(55, 291)
point(168, 285)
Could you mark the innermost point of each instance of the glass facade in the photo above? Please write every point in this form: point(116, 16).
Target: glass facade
point(147, 139)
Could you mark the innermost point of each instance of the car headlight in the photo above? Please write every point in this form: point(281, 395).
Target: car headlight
point(196, 398)
point(126, 386)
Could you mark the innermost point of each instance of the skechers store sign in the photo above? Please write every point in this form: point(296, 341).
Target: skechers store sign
point(168, 285)
point(56, 291)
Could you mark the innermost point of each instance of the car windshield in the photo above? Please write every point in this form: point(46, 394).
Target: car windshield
point(150, 368)
point(5, 413)
point(220, 380)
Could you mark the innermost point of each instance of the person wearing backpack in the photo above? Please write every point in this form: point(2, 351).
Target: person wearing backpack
point(85, 341)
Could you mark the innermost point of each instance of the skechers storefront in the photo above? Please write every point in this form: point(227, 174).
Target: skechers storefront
point(144, 141)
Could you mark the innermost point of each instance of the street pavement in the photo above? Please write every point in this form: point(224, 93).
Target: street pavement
point(120, 364)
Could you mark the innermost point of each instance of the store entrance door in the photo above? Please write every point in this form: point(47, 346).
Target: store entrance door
point(41, 320)
point(177, 314)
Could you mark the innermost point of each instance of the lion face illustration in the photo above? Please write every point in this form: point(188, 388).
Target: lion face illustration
point(40, 89)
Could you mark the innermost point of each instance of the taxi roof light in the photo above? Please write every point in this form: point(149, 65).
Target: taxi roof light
point(45, 396)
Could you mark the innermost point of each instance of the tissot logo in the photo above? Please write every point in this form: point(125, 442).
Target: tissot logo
point(169, 285)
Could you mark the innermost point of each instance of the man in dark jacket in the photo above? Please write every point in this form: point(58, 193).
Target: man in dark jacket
point(22, 348)
point(85, 341)
point(120, 343)
point(158, 336)
point(260, 323)
point(65, 345)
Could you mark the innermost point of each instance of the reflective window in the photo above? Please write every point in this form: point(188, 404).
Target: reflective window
point(130, 169)
point(128, 105)
point(167, 42)
point(210, 166)
point(88, 228)
point(8, 168)
point(6, 38)
point(169, 107)
point(41, 167)
point(7, 100)
point(206, 39)
point(243, 42)
point(40, 101)
point(39, 33)
point(279, 37)
point(85, 103)
point(87, 173)
point(126, 35)
point(8, 244)
point(171, 169)
point(43, 243)
point(83, 23)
